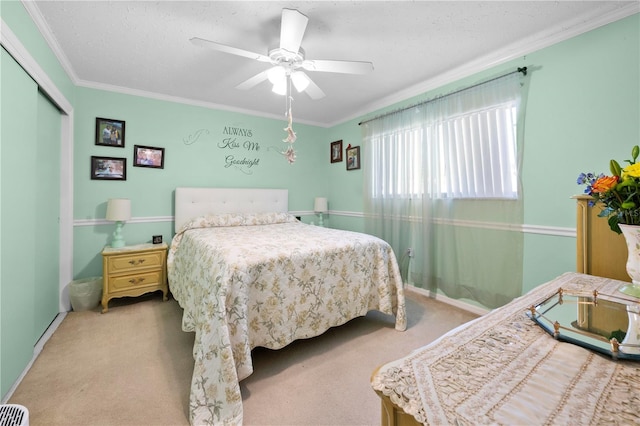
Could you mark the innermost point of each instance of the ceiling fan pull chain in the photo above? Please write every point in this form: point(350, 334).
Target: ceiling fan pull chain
point(290, 153)
point(291, 135)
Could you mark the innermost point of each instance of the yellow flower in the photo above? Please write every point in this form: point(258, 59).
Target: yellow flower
point(632, 170)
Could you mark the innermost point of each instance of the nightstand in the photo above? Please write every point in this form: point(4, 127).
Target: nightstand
point(133, 271)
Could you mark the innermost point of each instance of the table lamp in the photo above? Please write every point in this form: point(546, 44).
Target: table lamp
point(118, 211)
point(320, 207)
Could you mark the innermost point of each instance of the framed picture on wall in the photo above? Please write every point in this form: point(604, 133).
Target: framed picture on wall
point(148, 156)
point(109, 132)
point(353, 158)
point(336, 152)
point(108, 168)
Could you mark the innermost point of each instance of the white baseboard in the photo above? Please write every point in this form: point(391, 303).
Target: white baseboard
point(478, 310)
point(36, 352)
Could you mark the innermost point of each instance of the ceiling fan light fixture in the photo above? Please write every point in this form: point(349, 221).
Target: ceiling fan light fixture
point(277, 75)
point(300, 81)
point(280, 88)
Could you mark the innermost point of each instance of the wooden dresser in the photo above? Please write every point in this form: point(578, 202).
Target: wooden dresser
point(599, 250)
point(133, 271)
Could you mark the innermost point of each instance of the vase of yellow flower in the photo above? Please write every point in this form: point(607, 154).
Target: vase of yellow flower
point(619, 196)
point(631, 342)
point(632, 238)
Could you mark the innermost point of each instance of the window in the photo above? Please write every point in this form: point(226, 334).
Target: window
point(469, 155)
point(476, 154)
point(398, 156)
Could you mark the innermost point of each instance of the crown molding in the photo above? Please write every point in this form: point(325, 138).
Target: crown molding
point(36, 16)
point(185, 101)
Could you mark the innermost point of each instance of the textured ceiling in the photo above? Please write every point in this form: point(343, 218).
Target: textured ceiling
point(143, 47)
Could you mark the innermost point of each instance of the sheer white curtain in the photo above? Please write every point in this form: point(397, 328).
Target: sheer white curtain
point(442, 185)
point(394, 181)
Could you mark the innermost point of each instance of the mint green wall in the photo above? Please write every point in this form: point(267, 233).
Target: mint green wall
point(18, 20)
point(46, 168)
point(29, 180)
point(19, 105)
point(195, 155)
point(28, 288)
point(345, 186)
point(29, 217)
point(583, 109)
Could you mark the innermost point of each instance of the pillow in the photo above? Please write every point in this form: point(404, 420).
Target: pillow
point(238, 219)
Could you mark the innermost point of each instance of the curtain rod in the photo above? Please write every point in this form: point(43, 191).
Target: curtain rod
point(523, 70)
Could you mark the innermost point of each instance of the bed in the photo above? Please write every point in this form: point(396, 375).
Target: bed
point(503, 368)
point(248, 274)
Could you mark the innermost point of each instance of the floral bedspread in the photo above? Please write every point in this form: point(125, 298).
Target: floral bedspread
point(502, 368)
point(266, 280)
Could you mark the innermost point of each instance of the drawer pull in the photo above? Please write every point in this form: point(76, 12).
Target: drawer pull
point(136, 281)
point(136, 262)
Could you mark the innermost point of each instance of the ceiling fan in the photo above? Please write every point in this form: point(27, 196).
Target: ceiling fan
point(288, 60)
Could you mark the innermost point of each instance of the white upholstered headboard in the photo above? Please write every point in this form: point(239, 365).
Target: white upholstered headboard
point(194, 202)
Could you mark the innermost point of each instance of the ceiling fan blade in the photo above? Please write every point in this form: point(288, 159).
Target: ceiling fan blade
point(228, 49)
point(345, 67)
point(292, 29)
point(253, 81)
point(313, 90)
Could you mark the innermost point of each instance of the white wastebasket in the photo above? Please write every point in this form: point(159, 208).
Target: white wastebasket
point(85, 293)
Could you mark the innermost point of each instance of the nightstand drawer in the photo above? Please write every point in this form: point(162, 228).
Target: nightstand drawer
point(132, 271)
point(131, 262)
point(132, 281)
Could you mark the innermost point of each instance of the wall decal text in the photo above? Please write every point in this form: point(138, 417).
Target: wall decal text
point(241, 152)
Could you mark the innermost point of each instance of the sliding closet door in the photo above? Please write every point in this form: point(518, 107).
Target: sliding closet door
point(17, 218)
point(46, 169)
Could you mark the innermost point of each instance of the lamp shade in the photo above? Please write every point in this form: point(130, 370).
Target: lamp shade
point(320, 205)
point(118, 209)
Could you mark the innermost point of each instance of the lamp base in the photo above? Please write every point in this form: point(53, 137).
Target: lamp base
point(118, 241)
point(320, 223)
point(117, 244)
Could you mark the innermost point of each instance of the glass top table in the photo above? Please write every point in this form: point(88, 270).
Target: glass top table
point(608, 324)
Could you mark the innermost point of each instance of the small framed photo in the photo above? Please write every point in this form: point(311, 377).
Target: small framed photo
point(353, 158)
point(108, 168)
point(336, 151)
point(109, 132)
point(148, 156)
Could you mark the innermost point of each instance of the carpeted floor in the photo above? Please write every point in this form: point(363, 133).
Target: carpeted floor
point(133, 365)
